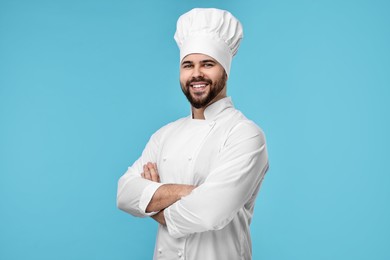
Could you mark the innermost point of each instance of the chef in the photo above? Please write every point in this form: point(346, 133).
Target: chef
point(199, 176)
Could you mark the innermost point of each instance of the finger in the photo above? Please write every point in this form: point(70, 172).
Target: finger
point(147, 173)
point(143, 173)
point(158, 175)
point(153, 172)
point(155, 167)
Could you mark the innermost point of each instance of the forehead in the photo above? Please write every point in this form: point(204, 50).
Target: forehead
point(197, 57)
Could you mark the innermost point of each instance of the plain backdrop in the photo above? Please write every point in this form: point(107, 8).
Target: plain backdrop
point(83, 85)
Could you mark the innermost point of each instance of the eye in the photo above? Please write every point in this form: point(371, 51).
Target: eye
point(186, 66)
point(208, 65)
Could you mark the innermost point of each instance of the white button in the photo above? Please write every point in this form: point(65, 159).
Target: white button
point(159, 250)
point(179, 253)
point(189, 158)
point(164, 159)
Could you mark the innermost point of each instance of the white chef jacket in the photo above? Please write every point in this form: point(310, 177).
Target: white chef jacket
point(225, 156)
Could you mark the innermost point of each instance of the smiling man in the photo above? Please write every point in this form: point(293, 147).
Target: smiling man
point(203, 81)
point(199, 176)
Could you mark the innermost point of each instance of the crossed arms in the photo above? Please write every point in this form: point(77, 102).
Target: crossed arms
point(185, 209)
point(165, 195)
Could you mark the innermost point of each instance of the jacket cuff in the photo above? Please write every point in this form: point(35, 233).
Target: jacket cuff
point(146, 197)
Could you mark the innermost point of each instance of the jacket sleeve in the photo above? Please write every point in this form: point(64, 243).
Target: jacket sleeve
point(134, 192)
point(241, 166)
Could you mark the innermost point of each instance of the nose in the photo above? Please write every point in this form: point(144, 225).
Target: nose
point(197, 72)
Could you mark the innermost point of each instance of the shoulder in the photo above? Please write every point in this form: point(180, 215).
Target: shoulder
point(240, 123)
point(241, 128)
point(246, 129)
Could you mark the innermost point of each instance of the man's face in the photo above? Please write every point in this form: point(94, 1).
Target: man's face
point(202, 80)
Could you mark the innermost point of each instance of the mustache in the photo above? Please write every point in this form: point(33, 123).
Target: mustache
point(197, 79)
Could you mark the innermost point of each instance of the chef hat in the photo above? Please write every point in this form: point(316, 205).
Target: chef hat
point(213, 32)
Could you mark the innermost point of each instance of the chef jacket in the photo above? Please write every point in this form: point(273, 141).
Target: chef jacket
point(225, 156)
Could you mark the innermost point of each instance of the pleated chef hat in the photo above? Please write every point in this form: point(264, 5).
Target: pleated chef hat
point(213, 32)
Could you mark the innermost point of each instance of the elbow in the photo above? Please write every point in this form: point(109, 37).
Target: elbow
point(120, 199)
point(120, 204)
point(210, 217)
point(128, 197)
point(202, 225)
point(180, 225)
point(210, 222)
point(207, 225)
point(214, 222)
point(125, 207)
point(123, 200)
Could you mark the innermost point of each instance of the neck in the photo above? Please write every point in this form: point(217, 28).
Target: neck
point(198, 113)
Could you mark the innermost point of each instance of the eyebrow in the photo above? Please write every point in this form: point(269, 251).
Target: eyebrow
point(202, 61)
point(186, 62)
point(206, 61)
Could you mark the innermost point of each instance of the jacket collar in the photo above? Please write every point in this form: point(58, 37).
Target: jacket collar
point(214, 110)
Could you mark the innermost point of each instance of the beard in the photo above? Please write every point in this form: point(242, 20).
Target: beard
point(215, 88)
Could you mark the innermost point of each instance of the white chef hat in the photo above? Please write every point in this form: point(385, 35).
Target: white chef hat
point(213, 32)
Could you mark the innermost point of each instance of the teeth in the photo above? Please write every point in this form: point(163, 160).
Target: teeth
point(199, 86)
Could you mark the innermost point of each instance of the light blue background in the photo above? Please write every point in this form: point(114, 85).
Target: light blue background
point(83, 85)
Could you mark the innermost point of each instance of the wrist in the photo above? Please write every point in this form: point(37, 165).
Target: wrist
point(185, 190)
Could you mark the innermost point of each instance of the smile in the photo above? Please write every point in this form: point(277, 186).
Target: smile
point(199, 85)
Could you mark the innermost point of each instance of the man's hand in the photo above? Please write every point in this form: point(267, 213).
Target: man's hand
point(165, 195)
point(159, 217)
point(151, 172)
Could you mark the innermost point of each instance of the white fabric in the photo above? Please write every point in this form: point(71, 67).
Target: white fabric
point(225, 156)
point(214, 32)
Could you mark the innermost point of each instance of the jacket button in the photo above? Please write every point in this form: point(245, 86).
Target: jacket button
point(180, 254)
point(159, 250)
